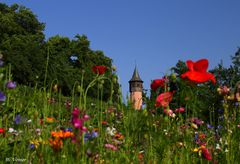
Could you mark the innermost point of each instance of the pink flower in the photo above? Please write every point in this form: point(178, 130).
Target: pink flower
point(164, 99)
point(84, 129)
point(169, 112)
point(77, 123)
point(75, 112)
point(110, 146)
point(86, 117)
point(179, 110)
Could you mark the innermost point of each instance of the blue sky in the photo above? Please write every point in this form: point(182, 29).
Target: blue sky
point(154, 33)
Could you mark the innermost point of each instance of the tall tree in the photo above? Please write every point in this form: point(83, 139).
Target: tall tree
point(22, 42)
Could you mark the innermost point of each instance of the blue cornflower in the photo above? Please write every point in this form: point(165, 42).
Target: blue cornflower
point(94, 134)
point(89, 136)
point(2, 97)
point(196, 137)
point(236, 104)
point(68, 129)
point(32, 146)
point(209, 126)
point(17, 119)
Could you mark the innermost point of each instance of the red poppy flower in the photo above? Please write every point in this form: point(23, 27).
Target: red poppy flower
point(2, 130)
point(198, 72)
point(104, 123)
point(157, 83)
point(164, 99)
point(206, 154)
point(99, 69)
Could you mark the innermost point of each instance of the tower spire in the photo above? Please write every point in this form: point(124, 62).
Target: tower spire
point(135, 76)
point(135, 88)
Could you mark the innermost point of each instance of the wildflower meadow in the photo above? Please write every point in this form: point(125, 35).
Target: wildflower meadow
point(190, 119)
point(61, 102)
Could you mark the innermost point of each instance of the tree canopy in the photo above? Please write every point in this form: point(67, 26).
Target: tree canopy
point(23, 45)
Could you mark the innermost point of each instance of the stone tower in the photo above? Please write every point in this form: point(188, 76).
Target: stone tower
point(136, 88)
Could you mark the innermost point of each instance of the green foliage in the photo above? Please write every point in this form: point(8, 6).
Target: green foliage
point(23, 46)
point(228, 76)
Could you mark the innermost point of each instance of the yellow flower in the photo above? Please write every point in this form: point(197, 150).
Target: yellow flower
point(195, 150)
point(194, 126)
point(36, 143)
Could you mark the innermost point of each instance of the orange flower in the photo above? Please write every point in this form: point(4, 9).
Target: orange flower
point(119, 136)
point(140, 155)
point(56, 143)
point(49, 119)
point(62, 134)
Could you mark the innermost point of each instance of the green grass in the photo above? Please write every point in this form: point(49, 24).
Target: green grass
point(146, 137)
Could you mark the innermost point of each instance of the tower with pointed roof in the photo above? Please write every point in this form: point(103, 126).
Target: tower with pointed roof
point(136, 88)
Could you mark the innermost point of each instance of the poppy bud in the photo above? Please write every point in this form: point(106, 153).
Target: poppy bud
point(102, 82)
point(79, 88)
point(173, 77)
point(55, 88)
point(114, 68)
point(1, 55)
point(1, 75)
point(114, 79)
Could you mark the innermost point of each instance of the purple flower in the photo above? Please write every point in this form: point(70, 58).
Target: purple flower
point(1, 63)
point(236, 104)
point(89, 136)
point(209, 126)
point(11, 85)
point(17, 119)
point(94, 134)
point(31, 146)
point(68, 130)
point(196, 121)
point(2, 97)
